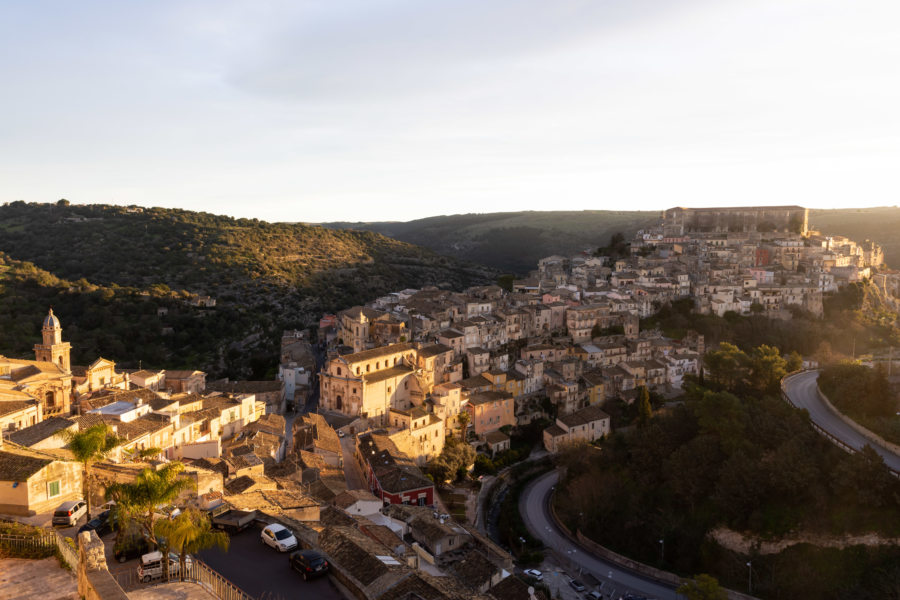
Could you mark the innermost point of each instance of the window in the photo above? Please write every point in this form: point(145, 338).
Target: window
point(368, 368)
point(378, 365)
point(338, 370)
point(53, 489)
point(389, 389)
point(357, 370)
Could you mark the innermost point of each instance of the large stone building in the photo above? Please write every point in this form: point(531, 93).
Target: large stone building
point(679, 221)
point(368, 384)
point(48, 378)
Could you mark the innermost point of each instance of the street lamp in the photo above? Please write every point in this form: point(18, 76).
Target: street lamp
point(662, 550)
point(749, 577)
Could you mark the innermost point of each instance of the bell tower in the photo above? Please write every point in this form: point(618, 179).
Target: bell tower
point(53, 349)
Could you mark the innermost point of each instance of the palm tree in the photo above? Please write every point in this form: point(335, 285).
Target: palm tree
point(190, 532)
point(148, 490)
point(89, 446)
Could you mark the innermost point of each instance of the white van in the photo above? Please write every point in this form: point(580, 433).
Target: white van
point(152, 568)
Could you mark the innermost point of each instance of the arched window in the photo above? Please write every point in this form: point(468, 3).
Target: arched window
point(338, 370)
point(368, 368)
point(357, 370)
point(378, 365)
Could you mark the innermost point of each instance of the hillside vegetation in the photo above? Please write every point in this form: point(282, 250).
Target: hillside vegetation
point(733, 454)
point(514, 241)
point(264, 277)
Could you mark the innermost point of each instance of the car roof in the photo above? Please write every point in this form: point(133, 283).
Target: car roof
point(68, 504)
point(275, 527)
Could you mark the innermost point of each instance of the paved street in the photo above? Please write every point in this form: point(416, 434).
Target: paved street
point(803, 393)
point(264, 573)
point(533, 507)
point(355, 478)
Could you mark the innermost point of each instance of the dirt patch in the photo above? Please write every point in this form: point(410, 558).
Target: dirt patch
point(747, 544)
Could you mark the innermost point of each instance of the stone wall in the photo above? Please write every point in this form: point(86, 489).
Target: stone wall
point(94, 579)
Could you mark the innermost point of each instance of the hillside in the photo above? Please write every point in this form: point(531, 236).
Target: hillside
point(513, 242)
point(881, 224)
point(266, 276)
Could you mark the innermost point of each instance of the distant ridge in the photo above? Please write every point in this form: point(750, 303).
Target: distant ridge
point(514, 241)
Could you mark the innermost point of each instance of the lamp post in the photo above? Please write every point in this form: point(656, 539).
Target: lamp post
point(662, 550)
point(749, 577)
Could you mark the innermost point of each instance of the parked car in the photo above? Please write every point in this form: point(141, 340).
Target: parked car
point(535, 574)
point(576, 585)
point(594, 595)
point(131, 547)
point(102, 524)
point(69, 512)
point(309, 562)
point(152, 566)
point(279, 537)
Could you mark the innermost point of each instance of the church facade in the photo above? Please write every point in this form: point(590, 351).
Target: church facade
point(47, 378)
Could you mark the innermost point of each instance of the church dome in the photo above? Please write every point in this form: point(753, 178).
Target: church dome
point(51, 322)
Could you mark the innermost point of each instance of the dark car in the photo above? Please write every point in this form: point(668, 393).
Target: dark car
point(131, 547)
point(102, 524)
point(309, 562)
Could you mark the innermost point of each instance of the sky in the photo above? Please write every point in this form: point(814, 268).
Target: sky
point(376, 110)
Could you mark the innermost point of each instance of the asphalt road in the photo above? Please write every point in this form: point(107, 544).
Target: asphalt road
point(533, 505)
point(264, 573)
point(803, 393)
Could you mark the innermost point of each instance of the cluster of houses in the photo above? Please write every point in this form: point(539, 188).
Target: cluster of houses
point(567, 338)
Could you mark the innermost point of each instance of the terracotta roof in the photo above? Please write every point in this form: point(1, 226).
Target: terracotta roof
point(377, 352)
point(474, 570)
point(434, 350)
point(8, 407)
point(39, 432)
point(396, 371)
point(584, 416)
point(355, 554)
point(495, 437)
point(513, 588)
point(245, 387)
point(16, 466)
point(350, 497)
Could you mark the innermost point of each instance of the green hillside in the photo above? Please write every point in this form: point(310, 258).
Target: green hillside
point(880, 224)
point(264, 276)
point(514, 241)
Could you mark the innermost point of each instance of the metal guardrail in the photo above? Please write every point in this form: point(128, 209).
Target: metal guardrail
point(830, 437)
point(199, 573)
point(48, 540)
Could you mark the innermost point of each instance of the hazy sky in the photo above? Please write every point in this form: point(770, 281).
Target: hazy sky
point(400, 109)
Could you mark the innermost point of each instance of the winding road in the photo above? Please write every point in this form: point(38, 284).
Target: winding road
point(534, 507)
point(802, 392)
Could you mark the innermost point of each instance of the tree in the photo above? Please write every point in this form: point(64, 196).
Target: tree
point(702, 587)
point(645, 410)
point(726, 366)
point(190, 532)
point(453, 460)
point(463, 420)
point(767, 368)
point(89, 446)
point(794, 362)
point(148, 490)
